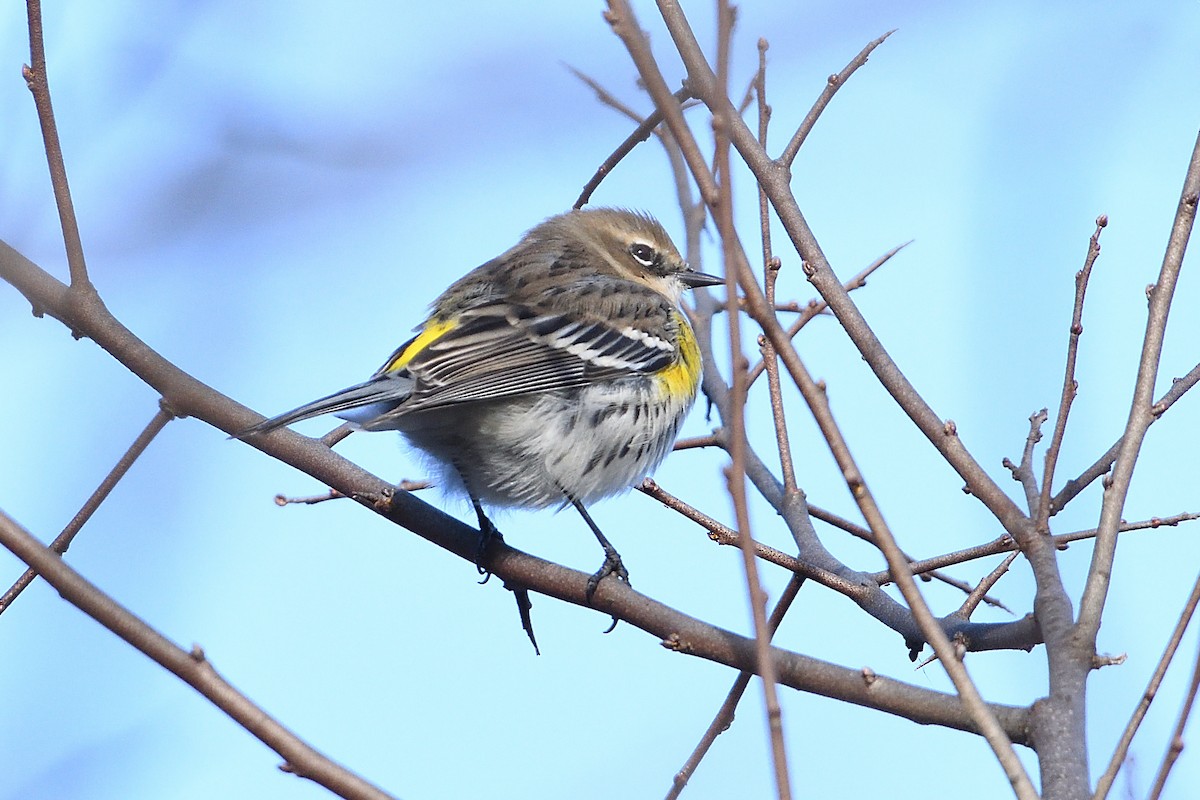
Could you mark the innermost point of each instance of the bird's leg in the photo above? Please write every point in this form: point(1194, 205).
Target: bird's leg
point(488, 533)
point(612, 559)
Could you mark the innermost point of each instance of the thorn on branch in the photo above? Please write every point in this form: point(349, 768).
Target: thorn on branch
point(961, 646)
point(283, 500)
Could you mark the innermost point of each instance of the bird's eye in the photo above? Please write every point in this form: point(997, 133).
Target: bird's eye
point(645, 255)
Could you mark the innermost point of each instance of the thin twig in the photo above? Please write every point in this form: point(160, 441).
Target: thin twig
point(695, 442)
point(778, 414)
point(333, 494)
point(606, 97)
point(771, 266)
point(834, 83)
point(39, 85)
point(338, 434)
point(1101, 466)
point(1122, 749)
point(860, 532)
point(724, 535)
point(1175, 746)
point(724, 716)
point(979, 592)
point(625, 25)
point(1023, 474)
point(817, 306)
point(1070, 385)
point(1005, 543)
point(63, 541)
point(640, 134)
point(1141, 411)
point(736, 471)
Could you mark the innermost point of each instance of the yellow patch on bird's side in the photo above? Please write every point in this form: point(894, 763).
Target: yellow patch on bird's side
point(681, 378)
point(433, 330)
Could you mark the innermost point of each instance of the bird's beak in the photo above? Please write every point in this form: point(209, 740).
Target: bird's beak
point(692, 279)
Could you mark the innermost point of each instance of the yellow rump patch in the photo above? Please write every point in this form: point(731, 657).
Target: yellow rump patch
point(433, 330)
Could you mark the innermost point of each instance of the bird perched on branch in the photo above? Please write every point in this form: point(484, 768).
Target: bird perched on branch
point(557, 373)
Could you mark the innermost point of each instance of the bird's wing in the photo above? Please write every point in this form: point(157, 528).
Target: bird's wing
point(502, 350)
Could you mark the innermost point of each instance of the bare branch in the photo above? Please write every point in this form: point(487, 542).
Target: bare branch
point(1175, 747)
point(736, 422)
point(625, 26)
point(834, 83)
point(1070, 386)
point(724, 715)
point(39, 85)
point(1141, 411)
point(724, 535)
point(860, 532)
point(1122, 749)
point(697, 442)
point(193, 668)
point(1023, 474)
point(1072, 488)
point(771, 266)
point(816, 307)
point(640, 134)
point(976, 596)
point(1005, 543)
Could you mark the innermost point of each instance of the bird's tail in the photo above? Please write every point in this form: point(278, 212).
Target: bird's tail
point(361, 404)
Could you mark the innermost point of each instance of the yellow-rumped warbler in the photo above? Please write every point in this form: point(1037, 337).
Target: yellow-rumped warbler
point(557, 373)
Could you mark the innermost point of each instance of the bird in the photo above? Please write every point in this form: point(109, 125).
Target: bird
point(555, 374)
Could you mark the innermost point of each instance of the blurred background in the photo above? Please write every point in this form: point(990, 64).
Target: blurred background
point(270, 194)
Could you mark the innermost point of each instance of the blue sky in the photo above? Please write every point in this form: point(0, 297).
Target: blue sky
point(271, 195)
